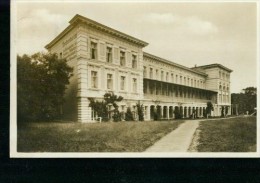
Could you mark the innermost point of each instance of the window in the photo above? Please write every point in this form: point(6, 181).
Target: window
point(122, 83)
point(223, 75)
point(162, 75)
point(167, 76)
point(220, 87)
point(219, 74)
point(195, 82)
point(109, 81)
point(172, 79)
point(151, 73)
point(180, 79)
point(93, 50)
point(134, 85)
point(176, 79)
point(94, 79)
point(145, 71)
point(191, 82)
point(220, 99)
point(109, 54)
point(122, 58)
point(157, 75)
point(134, 62)
point(188, 82)
point(198, 83)
point(184, 80)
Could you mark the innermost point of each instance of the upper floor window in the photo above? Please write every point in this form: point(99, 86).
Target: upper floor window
point(109, 81)
point(180, 79)
point(172, 79)
point(134, 61)
point(151, 73)
point(191, 82)
point(184, 80)
point(219, 74)
point(145, 71)
point(188, 82)
point(157, 74)
point(122, 83)
point(94, 79)
point(162, 75)
point(109, 55)
point(93, 50)
point(122, 58)
point(220, 87)
point(176, 79)
point(167, 76)
point(134, 85)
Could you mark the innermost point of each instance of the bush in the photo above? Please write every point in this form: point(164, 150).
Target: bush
point(116, 116)
point(140, 111)
point(129, 115)
point(177, 113)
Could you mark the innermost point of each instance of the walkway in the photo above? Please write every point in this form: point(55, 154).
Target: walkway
point(178, 140)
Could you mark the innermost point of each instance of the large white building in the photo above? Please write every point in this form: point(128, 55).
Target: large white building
point(106, 60)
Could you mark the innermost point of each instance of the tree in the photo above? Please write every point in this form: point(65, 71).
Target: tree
point(249, 91)
point(246, 100)
point(41, 84)
point(209, 108)
point(140, 111)
point(101, 108)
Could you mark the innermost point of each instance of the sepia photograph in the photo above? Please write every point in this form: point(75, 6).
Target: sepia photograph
point(134, 79)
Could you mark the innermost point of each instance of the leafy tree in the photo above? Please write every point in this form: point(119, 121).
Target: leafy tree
point(101, 107)
point(140, 111)
point(129, 115)
point(209, 108)
point(245, 101)
point(41, 84)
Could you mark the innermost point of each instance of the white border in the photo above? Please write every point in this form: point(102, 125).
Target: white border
point(13, 97)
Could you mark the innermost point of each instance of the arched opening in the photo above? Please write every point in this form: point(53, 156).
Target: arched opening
point(165, 112)
point(185, 112)
point(152, 111)
point(170, 112)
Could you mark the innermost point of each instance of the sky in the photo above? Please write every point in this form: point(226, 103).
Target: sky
point(185, 33)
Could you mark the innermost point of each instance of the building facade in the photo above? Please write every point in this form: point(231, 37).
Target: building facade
point(106, 60)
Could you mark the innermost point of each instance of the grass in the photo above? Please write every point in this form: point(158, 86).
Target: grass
point(97, 137)
point(228, 135)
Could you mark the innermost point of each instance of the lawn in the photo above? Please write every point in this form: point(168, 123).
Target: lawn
point(228, 135)
point(96, 137)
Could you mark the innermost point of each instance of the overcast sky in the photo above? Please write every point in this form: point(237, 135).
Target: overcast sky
point(185, 33)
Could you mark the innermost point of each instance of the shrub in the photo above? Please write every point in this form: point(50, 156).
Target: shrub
point(129, 115)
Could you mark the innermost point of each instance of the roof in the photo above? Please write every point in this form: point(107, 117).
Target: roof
point(173, 64)
point(80, 19)
point(211, 66)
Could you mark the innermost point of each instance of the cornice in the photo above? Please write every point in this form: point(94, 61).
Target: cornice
point(172, 63)
point(213, 65)
point(78, 19)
